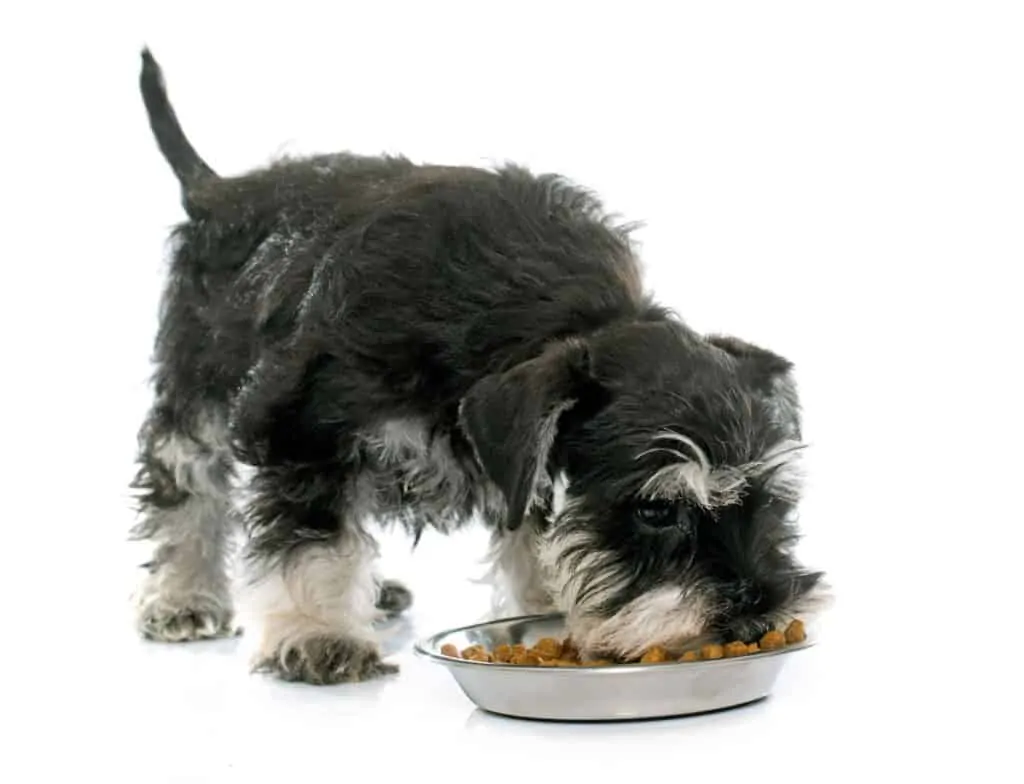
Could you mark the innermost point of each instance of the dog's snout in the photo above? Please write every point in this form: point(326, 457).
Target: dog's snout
point(746, 629)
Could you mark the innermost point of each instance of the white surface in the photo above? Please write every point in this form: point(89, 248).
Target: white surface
point(841, 185)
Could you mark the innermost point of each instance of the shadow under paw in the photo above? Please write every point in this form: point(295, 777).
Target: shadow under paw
point(324, 660)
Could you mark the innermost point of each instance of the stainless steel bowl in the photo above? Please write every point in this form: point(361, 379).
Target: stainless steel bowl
point(613, 693)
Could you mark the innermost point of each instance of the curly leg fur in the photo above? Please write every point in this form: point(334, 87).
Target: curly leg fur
point(318, 608)
point(187, 514)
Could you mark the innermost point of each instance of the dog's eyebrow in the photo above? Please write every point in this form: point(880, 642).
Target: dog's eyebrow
point(671, 435)
point(693, 476)
point(709, 487)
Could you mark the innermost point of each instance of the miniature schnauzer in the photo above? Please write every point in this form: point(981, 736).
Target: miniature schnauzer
point(376, 342)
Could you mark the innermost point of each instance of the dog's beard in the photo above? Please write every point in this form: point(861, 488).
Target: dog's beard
point(597, 590)
point(808, 607)
point(671, 616)
point(586, 581)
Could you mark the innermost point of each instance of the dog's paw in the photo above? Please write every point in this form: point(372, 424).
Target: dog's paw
point(323, 660)
point(181, 619)
point(393, 598)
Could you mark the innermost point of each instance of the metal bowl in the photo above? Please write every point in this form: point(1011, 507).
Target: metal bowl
point(612, 693)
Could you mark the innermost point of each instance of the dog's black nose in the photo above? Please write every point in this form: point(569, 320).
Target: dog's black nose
point(757, 629)
point(747, 630)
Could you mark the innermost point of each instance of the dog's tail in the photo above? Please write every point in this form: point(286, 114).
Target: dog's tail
point(188, 167)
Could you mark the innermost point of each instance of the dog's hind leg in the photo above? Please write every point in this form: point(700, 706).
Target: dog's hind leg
point(393, 598)
point(184, 480)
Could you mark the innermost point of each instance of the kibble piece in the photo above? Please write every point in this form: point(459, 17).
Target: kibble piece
point(753, 648)
point(795, 632)
point(597, 663)
point(654, 655)
point(734, 649)
point(502, 653)
point(527, 659)
point(548, 648)
point(518, 649)
point(449, 650)
point(569, 651)
point(472, 650)
point(690, 656)
point(773, 640)
point(712, 652)
point(567, 663)
point(478, 656)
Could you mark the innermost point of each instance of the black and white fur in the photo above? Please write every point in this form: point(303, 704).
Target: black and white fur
point(378, 342)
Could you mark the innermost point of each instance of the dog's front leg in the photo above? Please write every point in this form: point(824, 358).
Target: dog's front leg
point(521, 586)
point(315, 587)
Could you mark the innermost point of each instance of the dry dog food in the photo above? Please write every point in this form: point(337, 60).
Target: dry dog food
point(550, 652)
point(773, 640)
point(795, 632)
point(736, 648)
point(654, 655)
point(712, 652)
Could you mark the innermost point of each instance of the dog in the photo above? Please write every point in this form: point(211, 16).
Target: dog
point(380, 342)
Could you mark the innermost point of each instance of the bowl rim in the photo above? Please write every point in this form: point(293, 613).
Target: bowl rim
point(424, 647)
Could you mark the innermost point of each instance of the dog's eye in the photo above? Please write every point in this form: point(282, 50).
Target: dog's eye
point(660, 514)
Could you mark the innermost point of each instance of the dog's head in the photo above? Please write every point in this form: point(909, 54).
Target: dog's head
point(665, 467)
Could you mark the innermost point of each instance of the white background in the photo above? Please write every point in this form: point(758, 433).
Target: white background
point(843, 183)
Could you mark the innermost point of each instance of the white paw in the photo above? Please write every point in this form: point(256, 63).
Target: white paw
point(325, 659)
point(184, 618)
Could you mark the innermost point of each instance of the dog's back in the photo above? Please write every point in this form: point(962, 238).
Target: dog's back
point(379, 271)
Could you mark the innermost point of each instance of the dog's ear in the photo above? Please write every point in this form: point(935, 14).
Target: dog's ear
point(769, 374)
point(511, 419)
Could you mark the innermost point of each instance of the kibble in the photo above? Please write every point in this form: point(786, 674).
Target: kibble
point(711, 652)
point(548, 648)
point(795, 632)
point(552, 652)
point(734, 649)
point(529, 659)
point(772, 641)
point(569, 651)
point(655, 655)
